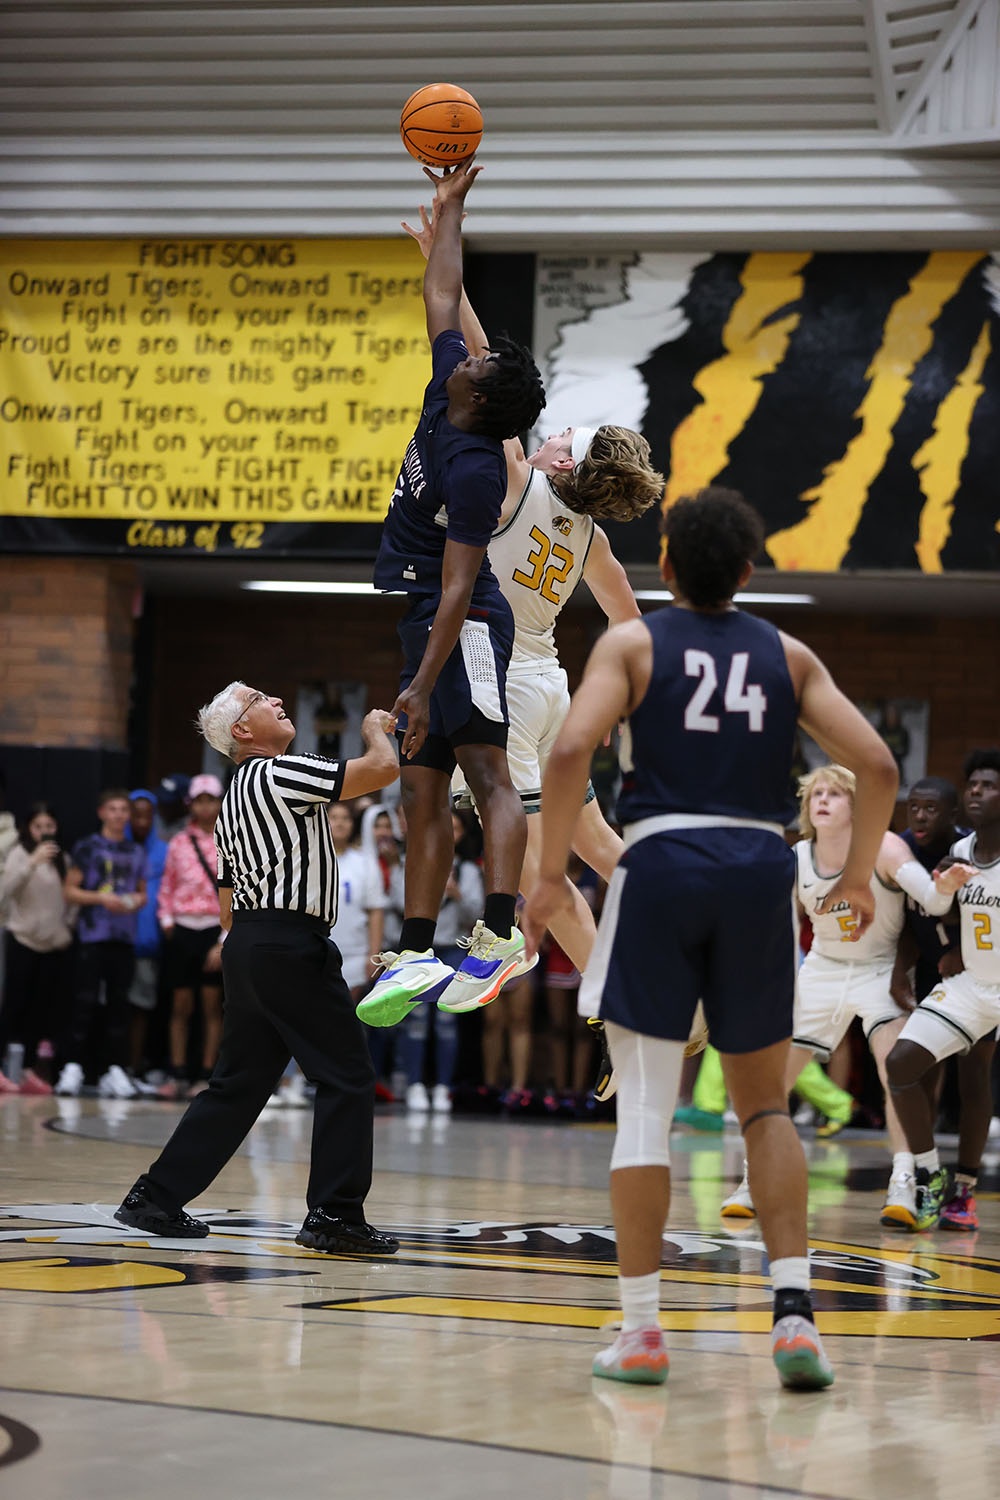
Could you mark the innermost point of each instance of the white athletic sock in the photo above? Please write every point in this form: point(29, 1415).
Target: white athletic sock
point(928, 1159)
point(640, 1299)
point(790, 1274)
point(902, 1162)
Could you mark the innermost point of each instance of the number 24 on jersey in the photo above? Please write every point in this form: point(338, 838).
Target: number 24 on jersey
point(739, 696)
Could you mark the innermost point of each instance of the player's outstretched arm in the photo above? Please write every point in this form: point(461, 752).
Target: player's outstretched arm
point(608, 581)
point(935, 893)
point(472, 330)
point(443, 276)
point(614, 682)
point(847, 737)
point(459, 569)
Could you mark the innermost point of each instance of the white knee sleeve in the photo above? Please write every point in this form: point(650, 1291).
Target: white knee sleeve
point(649, 1075)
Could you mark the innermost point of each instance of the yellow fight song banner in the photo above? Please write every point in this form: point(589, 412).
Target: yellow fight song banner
point(205, 395)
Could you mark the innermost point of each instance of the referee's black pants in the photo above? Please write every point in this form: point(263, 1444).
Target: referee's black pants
point(285, 997)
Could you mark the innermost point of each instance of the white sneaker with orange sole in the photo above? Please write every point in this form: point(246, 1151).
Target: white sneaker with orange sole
point(639, 1356)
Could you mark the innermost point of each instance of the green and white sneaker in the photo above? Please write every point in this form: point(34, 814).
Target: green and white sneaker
point(798, 1354)
point(490, 963)
point(639, 1356)
point(406, 981)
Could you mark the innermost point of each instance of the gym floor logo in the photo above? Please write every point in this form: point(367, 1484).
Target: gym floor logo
point(711, 1283)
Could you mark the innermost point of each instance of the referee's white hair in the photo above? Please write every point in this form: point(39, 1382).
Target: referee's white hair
point(215, 721)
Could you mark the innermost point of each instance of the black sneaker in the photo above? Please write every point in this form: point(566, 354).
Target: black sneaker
point(139, 1212)
point(606, 1085)
point(342, 1237)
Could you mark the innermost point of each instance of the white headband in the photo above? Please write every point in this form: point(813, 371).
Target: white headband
point(582, 439)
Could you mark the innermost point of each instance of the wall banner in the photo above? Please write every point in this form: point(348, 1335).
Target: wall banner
point(206, 396)
point(854, 398)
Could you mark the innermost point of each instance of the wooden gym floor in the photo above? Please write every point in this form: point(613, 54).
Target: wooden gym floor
point(244, 1366)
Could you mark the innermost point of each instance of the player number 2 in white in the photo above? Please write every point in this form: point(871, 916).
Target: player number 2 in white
point(737, 699)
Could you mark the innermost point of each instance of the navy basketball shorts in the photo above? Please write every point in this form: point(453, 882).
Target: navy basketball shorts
point(468, 705)
point(704, 914)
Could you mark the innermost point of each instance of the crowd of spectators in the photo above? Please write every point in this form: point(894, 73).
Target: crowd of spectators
point(110, 977)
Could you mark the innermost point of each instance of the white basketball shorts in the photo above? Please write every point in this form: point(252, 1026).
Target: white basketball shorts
point(830, 993)
point(953, 1017)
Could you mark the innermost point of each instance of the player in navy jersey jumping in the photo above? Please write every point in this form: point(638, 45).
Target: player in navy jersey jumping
point(701, 903)
point(457, 636)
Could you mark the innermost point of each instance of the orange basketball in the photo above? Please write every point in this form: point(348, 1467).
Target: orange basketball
point(441, 124)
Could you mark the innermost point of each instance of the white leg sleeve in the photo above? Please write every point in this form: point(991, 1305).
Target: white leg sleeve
point(649, 1076)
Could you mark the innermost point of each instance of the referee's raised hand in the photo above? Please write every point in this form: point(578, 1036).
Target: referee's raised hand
point(377, 721)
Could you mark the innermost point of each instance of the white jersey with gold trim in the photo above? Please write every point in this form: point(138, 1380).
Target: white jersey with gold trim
point(538, 557)
point(979, 912)
point(832, 931)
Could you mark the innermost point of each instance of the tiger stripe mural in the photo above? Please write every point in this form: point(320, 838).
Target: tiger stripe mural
point(854, 398)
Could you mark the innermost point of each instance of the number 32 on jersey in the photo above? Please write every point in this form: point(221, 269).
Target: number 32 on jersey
point(545, 579)
point(739, 696)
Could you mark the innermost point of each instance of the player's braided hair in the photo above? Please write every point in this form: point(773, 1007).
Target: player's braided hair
point(513, 390)
point(615, 481)
point(710, 537)
point(981, 760)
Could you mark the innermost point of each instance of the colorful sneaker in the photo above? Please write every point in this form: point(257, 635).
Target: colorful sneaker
point(830, 1125)
point(798, 1355)
point(930, 1199)
point(491, 962)
point(516, 1101)
point(899, 1211)
point(639, 1356)
point(7, 1085)
point(607, 1083)
point(698, 1119)
point(739, 1205)
point(407, 979)
point(960, 1210)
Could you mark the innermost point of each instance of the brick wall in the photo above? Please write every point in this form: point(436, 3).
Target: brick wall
point(65, 652)
point(272, 641)
point(277, 642)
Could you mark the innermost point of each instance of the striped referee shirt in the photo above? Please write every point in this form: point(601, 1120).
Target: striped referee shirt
point(273, 837)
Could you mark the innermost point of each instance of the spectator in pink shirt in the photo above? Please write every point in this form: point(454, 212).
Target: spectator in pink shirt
point(188, 910)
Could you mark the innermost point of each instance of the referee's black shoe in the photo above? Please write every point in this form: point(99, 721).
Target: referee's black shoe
point(321, 1231)
point(138, 1211)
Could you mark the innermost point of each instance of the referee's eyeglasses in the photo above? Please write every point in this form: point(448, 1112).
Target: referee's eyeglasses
point(257, 698)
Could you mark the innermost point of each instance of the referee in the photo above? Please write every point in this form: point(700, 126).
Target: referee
point(284, 992)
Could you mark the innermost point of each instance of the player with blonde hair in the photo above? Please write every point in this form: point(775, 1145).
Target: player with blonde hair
point(844, 976)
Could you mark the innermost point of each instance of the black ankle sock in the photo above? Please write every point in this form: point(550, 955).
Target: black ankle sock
point(961, 1171)
point(499, 914)
point(417, 934)
point(792, 1300)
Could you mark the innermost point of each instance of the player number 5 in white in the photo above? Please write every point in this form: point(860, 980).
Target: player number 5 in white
point(737, 699)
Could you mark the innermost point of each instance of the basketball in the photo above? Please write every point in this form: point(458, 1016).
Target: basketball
point(441, 125)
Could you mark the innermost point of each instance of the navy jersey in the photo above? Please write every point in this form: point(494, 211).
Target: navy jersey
point(714, 733)
point(933, 938)
point(451, 484)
